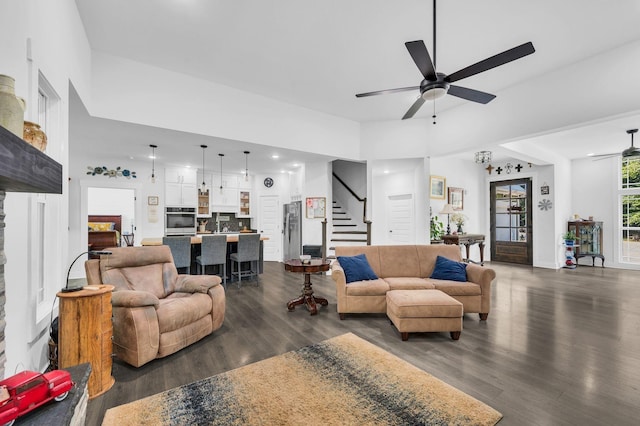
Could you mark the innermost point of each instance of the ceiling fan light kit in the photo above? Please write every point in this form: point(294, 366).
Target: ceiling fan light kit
point(436, 84)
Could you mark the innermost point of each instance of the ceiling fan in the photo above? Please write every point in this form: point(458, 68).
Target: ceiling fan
point(632, 151)
point(436, 84)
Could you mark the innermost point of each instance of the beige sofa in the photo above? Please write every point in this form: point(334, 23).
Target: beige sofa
point(406, 267)
point(156, 312)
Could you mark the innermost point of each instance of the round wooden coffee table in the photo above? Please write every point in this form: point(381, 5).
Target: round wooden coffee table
point(307, 297)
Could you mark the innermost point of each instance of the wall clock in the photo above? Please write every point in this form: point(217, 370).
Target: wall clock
point(268, 182)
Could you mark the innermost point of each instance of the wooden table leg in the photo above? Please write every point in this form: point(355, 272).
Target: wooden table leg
point(481, 246)
point(307, 298)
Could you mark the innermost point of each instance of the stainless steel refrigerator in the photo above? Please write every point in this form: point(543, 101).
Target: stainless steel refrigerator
point(292, 230)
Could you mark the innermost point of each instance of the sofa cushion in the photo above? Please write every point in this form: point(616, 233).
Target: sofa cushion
point(427, 254)
point(423, 304)
point(399, 261)
point(449, 270)
point(377, 287)
point(181, 309)
point(456, 288)
point(408, 283)
point(356, 268)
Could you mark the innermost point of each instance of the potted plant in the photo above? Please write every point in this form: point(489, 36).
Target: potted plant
point(569, 238)
point(437, 228)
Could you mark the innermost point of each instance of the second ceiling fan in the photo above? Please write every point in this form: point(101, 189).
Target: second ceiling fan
point(436, 84)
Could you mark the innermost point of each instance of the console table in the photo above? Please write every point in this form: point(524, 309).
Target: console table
point(467, 240)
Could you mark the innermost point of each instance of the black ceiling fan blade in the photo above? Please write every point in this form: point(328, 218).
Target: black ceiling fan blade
point(420, 55)
point(471, 94)
point(384, 92)
point(492, 62)
point(414, 108)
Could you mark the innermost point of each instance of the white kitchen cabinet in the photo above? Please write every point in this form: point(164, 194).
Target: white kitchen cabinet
point(244, 184)
point(180, 175)
point(229, 181)
point(225, 201)
point(181, 194)
point(180, 187)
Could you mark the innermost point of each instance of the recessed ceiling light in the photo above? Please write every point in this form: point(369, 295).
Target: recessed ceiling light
point(386, 172)
point(591, 154)
point(296, 165)
point(275, 156)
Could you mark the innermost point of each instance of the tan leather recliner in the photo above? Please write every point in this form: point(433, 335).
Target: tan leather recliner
point(156, 312)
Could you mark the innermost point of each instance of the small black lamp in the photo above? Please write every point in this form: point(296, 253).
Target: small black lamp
point(448, 210)
point(68, 289)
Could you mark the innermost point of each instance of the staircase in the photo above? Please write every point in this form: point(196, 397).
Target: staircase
point(346, 231)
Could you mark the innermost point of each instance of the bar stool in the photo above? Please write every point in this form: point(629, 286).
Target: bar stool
point(248, 251)
point(180, 250)
point(213, 251)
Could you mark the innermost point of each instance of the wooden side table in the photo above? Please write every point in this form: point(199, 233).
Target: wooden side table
point(84, 334)
point(307, 298)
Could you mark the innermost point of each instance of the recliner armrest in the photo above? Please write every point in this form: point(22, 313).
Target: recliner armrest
point(133, 299)
point(196, 283)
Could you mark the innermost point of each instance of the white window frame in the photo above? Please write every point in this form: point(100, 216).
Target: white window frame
point(621, 228)
point(46, 273)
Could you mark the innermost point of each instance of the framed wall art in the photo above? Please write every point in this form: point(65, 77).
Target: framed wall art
point(437, 185)
point(456, 198)
point(152, 200)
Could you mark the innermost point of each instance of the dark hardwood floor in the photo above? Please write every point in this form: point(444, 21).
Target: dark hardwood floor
point(559, 348)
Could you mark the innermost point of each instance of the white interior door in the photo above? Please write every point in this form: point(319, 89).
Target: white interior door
point(400, 219)
point(270, 218)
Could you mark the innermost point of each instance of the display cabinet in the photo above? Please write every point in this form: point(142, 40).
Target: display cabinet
point(588, 239)
point(203, 204)
point(245, 204)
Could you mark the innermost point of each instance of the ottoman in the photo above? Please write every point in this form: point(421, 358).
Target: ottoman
point(424, 310)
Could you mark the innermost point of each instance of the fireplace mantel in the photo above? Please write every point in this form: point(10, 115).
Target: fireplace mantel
point(22, 169)
point(25, 169)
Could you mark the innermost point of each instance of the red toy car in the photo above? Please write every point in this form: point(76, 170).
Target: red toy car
point(28, 390)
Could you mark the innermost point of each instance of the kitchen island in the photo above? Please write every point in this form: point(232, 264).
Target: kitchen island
point(196, 241)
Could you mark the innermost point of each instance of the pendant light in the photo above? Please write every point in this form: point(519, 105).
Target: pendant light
point(221, 155)
point(204, 185)
point(153, 163)
point(246, 166)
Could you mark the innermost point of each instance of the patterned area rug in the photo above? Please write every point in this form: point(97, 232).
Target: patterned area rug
point(341, 381)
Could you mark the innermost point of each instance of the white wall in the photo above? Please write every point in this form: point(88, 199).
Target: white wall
point(317, 183)
point(594, 194)
point(134, 92)
point(61, 52)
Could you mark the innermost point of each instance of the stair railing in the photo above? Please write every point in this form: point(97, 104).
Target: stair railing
point(363, 200)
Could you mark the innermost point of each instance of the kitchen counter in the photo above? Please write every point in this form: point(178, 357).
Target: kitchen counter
point(196, 239)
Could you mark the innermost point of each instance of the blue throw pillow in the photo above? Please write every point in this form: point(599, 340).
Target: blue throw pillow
point(447, 269)
point(356, 268)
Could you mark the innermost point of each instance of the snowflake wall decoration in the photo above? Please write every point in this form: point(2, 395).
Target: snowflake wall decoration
point(545, 204)
point(112, 173)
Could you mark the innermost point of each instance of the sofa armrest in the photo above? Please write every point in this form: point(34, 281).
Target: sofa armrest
point(196, 283)
point(133, 299)
point(480, 275)
point(483, 277)
point(337, 274)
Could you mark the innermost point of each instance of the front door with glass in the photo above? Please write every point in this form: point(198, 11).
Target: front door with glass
point(511, 227)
